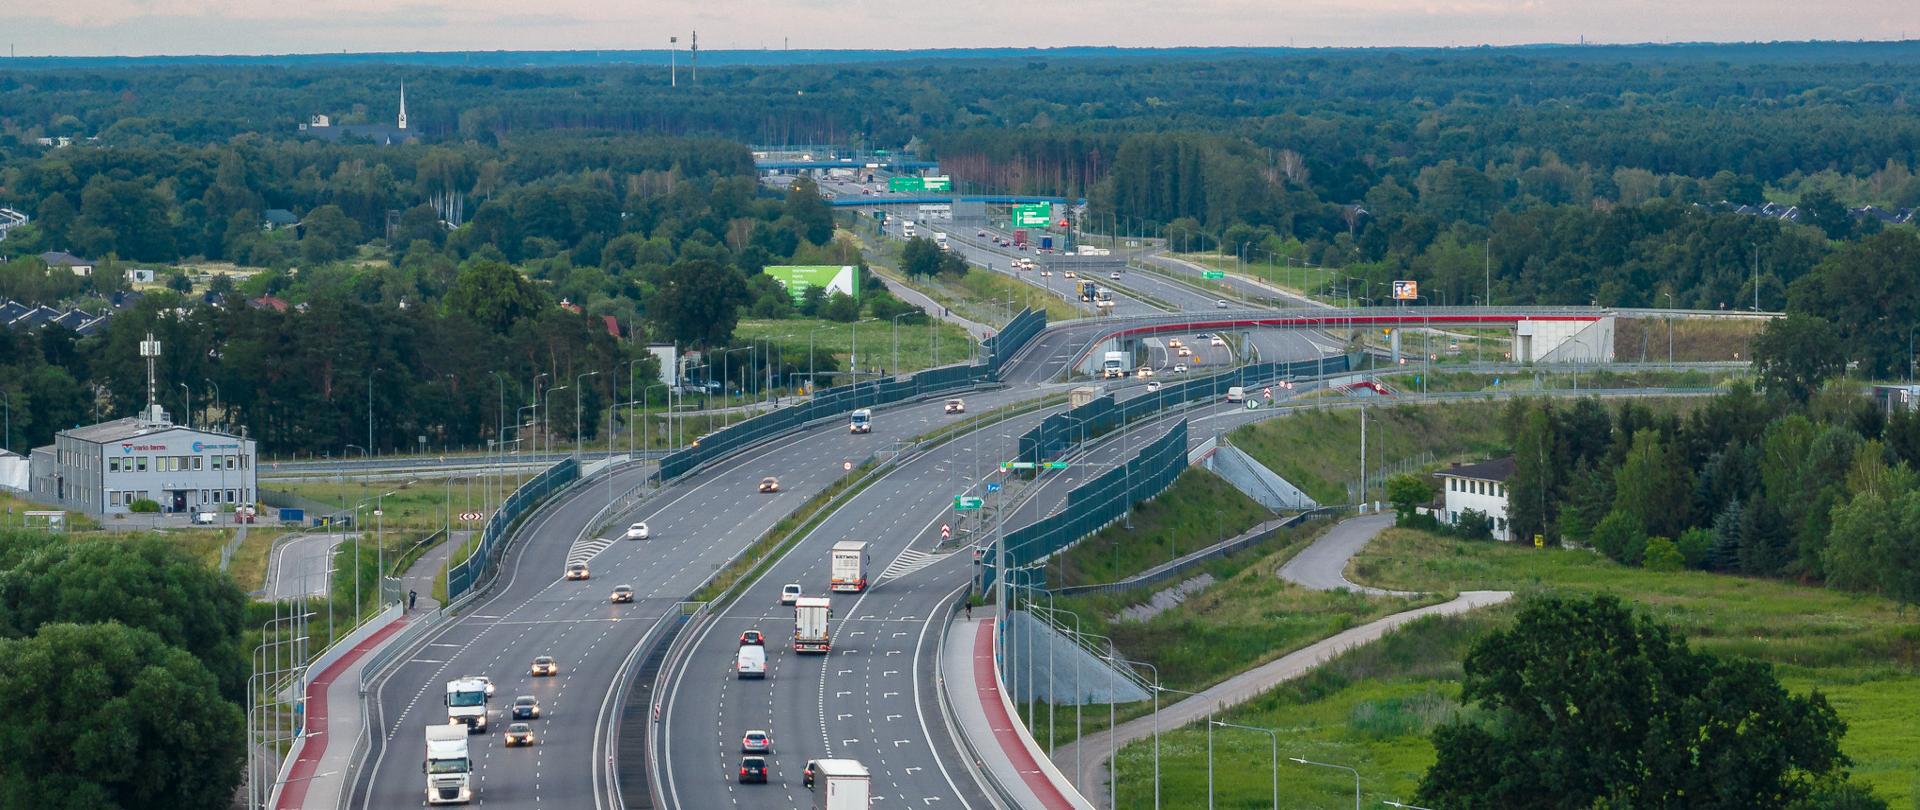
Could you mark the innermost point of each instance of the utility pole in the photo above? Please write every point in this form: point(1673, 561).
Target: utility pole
point(1756, 277)
point(693, 57)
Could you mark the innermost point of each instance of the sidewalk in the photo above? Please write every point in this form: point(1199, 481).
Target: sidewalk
point(334, 720)
point(333, 711)
point(1004, 755)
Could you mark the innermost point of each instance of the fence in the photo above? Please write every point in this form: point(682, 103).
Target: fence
point(843, 399)
point(1059, 432)
point(1098, 502)
point(464, 575)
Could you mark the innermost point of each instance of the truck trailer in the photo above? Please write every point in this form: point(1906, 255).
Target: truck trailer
point(849, 565)
point(841, 784)
point(1114, 365)
point(810, 616)
point(449, 770)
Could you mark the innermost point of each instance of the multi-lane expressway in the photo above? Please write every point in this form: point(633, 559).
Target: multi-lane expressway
point(697, 523)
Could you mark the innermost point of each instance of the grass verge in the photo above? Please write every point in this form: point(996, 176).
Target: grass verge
point(1691, 339)
point(249, 564)
point(1318, 450)
point(1199, 509)
point(970, 295)
point(919, 343)
point(1861, 651)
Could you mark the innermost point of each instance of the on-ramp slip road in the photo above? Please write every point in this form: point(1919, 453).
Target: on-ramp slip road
point(697, 524)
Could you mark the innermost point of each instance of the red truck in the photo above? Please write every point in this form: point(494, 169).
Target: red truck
point(1020, 237)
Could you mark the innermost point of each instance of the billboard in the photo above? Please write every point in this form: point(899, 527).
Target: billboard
point(669, 357)
point(835, 278)
point(1406, 290)
point(1032, 216)
point(906, 184)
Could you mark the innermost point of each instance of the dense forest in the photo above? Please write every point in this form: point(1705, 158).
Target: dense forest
point(1528, 175)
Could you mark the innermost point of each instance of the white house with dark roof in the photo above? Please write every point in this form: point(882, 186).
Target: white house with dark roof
point(73, 264)
point(1481, 487)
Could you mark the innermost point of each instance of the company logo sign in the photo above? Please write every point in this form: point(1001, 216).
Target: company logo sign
point(129, 447)
point(199, 447)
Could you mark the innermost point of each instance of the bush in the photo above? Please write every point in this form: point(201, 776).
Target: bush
point(145, 505)
point(1621, 537)
point(1474, 525)
point(1425, 523)
point(1662, 555)
point(1694, 546)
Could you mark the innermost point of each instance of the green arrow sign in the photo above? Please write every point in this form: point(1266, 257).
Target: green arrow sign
point(1015, 465)
point(1213, 274)
point(963, 502)
point(1056, 465)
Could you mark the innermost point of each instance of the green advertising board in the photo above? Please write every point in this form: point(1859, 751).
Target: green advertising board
point(906, 184)
point(1039, 215)
point(797, 278)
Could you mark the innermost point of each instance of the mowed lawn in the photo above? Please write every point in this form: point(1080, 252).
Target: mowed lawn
point(1374, 708)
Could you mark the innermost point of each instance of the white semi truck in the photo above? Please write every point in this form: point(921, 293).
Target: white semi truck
point(449, 769)
point(1115, 365)
point(841, 784)
point(810, 616)
point(849, 567)
point(467, 703)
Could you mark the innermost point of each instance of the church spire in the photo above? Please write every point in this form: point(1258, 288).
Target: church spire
point(403, 105)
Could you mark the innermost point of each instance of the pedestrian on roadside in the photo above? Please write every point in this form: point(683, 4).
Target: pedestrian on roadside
point(412, 597)
point(969, 610)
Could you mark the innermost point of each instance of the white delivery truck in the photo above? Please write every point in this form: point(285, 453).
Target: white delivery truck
point(810, 615)
point(751, 661)
point(841, 784)
point(862, 421)
point(906, 229)
point(940, 239)
point(1115, 365)
point(467, 703)
point(449, 770)
point(849, 566)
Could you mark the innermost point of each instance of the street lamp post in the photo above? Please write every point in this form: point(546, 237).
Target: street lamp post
point(548, 425)
point(189, 409)
point(579, 384)
point(1275, 735)
point(370, 374)
point(216, 394)
point(1356, 776)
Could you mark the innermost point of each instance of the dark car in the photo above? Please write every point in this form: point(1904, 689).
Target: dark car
point(753, 637)
point(525, 707)
point(753, 769)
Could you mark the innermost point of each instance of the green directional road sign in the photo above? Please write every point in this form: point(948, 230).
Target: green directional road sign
point(962, 502)
point(1033, 216)
point(1056, 465)
point(1016, 465)
point(906, 184)
point(937, 183)
point(1213, 274)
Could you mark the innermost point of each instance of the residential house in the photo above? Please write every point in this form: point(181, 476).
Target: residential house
point(1481, 487)
point(73, 264)
point(139, 275)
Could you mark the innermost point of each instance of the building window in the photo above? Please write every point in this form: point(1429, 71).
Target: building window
point(113, 465)
point(142, 461)
point(196, 463)
point(230, 496)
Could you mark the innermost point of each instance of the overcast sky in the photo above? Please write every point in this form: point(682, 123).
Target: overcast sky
point(146, 27)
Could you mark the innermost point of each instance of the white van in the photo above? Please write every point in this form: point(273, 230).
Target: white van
point(1236, 394)
point(752, 662)
point(862, 421)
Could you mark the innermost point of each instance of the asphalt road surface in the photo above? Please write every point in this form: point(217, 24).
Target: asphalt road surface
point(697, 524)
point(300, 564)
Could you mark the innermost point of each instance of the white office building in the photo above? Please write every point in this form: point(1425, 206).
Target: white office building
point(103, 469)
point(1481, 487)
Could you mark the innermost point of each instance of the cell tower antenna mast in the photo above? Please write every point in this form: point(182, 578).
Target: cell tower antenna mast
point(150, 351)
point(693, 57)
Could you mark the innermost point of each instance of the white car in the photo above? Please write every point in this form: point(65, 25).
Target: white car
point(789, 594)
point(1046, 272)
point(1067, 274)
point(1174, 343)
point(1115, 275)
point(638, 531)
point(1179, 368)
point(483, 679)
point(1185, 352)
point(1143, 372)
point(1220, 304)
point(1217, 341)
point(1152, 386)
